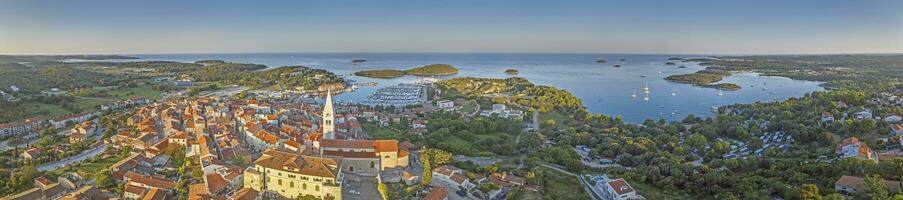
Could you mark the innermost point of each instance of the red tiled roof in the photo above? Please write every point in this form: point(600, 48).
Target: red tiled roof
point(314, 166)
point(150, 180)
point(437, 193)
point(620, 186)
point(216, 182)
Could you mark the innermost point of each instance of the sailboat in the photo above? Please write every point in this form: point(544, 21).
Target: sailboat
point(646, 97)
point(720, 93)
point(673, 93)
point(633, 95)
point(645, 87)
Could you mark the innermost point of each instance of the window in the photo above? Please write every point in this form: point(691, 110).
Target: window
point(303, 186)
point(317, 188)
point(280, 181)
point(350, 168)
point(291, 184)
point(372, 164)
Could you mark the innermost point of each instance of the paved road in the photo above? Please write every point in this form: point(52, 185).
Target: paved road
point(73, 159)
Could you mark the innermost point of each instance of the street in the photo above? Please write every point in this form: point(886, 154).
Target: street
point(74, 159)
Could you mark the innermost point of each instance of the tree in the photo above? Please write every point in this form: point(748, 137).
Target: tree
point(383, 190)
point(105, 180)
point(809, 192)
point(873, 189)
point(439, 157)
point(427, 176)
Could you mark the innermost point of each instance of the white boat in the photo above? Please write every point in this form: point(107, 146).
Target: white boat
point(633, 95)
point(720, 93)
point(673, 93)
point(645, 87)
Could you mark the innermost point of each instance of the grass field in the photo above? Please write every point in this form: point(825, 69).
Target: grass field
point(44, 109)
point(143, 91)
point(88, 104)
point(467, 106)
point(562, 186)
point(378, 132)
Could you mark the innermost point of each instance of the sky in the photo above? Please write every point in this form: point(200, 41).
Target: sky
point(629, 26)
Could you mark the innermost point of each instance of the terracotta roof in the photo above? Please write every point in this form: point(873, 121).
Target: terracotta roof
point(458, 178)
point(292, 143)
point(245, 194)
point(134, 190)
point(357, 144)
point(386, 145)
point(620, 186)
point(289, 161)
point(267, 137)
point(155, 194)
point(216, 182)
point(346, 154)
point(437, 193)
point(150, 180)
point(847, 141)
point(43, 180)
point(850, 181)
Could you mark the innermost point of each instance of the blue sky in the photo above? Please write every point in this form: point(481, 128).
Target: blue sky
point(630, 26)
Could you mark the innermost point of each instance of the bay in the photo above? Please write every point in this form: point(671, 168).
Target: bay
point(602, 88)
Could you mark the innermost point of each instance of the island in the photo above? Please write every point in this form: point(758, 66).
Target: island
point(601, 61)
point(675, 58)
point(381, 73)
point(705, 78)
point(358, 61)
point(616, 66)
point(669, 63)
point(426, 70)
point(511, 71)
point(682, 66)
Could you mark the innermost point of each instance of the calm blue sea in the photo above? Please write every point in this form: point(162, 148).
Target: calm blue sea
point(603, 88)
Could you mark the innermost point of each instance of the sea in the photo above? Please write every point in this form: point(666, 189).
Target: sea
point(602, 87)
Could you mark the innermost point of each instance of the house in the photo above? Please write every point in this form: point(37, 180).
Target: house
point(445, 104)
point(864, 114)
point(148, 181)
point(437, 193)
point(853, 148)
point(32, 153)
point(417, 124)
point(498, 108)
point(81, 132)
point(506, 180)
point(893, 118)
point(453, 175)
point(896, 129)
point(827, 117)
point(619, 189)
point(847, 185)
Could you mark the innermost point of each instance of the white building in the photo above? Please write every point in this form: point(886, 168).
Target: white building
point(619, 189)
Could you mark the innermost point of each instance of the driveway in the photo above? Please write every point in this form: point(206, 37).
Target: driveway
point(73, 159)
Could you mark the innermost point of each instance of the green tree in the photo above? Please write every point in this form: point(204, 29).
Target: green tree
point(874, 189)
point(809, 192)
point(427, 175)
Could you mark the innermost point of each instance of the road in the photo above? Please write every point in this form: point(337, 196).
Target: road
point(73, 159)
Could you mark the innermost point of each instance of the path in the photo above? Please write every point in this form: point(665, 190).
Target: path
point(73, 159)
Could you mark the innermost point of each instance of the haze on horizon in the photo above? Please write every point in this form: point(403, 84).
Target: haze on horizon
point(680, 27)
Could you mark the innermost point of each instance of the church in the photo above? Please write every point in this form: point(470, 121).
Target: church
point(365, 157)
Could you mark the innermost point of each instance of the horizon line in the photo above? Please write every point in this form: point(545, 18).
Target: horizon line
point(446, 52)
